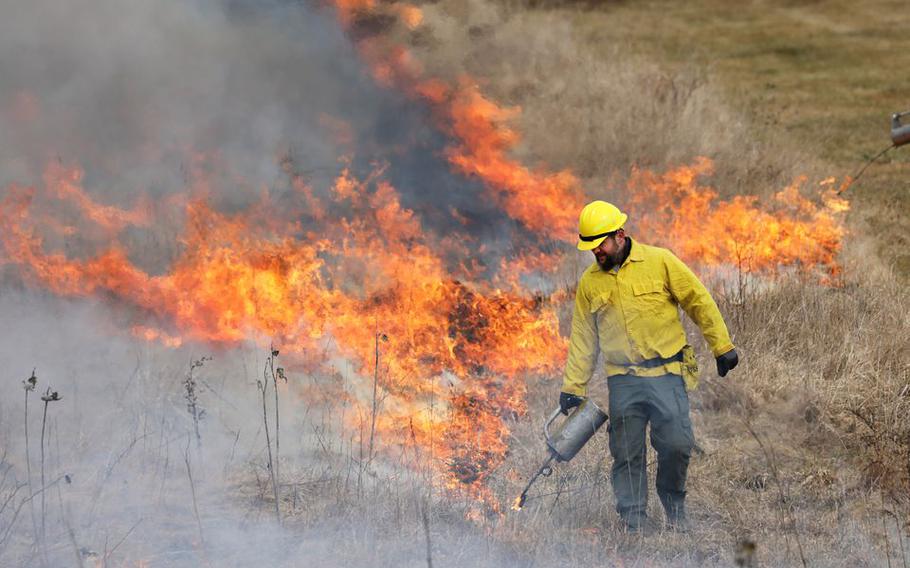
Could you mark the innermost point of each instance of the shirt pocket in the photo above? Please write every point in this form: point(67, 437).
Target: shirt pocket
point(649, 295)
point(605, 314)
point(600, 302)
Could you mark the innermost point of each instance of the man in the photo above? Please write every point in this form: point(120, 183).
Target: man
point(626, 307)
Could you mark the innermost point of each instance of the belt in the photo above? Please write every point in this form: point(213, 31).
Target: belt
point(656, 362)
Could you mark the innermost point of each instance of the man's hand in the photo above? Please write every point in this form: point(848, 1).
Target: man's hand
point(568, 401)
point(727, 362)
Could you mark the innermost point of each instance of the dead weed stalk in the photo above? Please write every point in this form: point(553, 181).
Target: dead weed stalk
point(29, 385)
point(192, 399)
point(784, 510)
point(270, 374)
point(48, 397)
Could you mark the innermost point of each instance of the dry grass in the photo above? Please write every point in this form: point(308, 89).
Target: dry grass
point(769, 90)
point(593, 101)
point(808, 439)
point(806, 445)
point(825, 391)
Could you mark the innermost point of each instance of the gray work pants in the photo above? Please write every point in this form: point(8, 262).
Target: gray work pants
point(634, 402)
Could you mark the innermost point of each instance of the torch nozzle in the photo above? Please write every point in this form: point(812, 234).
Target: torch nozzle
point(545, 470)
point(519, 502)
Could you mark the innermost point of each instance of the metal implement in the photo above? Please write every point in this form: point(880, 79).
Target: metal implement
point(567, 440)
point(900, 133)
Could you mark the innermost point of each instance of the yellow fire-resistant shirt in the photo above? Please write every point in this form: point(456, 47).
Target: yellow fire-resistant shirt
point(631, 315)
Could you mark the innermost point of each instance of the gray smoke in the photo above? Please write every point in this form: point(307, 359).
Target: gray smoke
point(118, 443)
point(131, 91)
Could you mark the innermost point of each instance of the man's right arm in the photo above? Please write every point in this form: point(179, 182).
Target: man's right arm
point(583, 346)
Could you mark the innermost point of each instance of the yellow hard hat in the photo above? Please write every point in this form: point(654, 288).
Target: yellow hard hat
point(596, 221)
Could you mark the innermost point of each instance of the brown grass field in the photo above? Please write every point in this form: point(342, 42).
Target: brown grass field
point(804, 448)
point(808, 443)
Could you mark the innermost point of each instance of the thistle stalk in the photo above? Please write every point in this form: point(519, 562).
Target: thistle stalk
point(276, 374)
point(263, 389)
point(29, 385)
point(48, 397)
point(192, 399)
point(375, 405)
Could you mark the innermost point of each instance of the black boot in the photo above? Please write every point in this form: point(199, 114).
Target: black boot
point(637, 523)
point(675, 509)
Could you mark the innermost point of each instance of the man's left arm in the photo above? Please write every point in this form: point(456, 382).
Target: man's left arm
point(698, 304)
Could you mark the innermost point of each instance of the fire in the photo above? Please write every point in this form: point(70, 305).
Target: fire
point(411, 15)
point(485, 141)
point(152, 334)
point(673, 209)
point(458, 346)
point(327, 269)
point(479, 127)
point(291, 274)
point(67, 185)
point(670, 209)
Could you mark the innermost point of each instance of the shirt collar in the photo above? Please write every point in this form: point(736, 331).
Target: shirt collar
point(636, 253)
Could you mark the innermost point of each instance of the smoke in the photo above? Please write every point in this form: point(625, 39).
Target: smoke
point(139, 94)
point(127, 475)
point(144, 100)
point(224, 98)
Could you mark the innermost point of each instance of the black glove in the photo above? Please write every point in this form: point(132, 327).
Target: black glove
point(568, 401)
point(727, 362)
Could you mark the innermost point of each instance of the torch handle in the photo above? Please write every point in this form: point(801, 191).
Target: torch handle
point(546, 426)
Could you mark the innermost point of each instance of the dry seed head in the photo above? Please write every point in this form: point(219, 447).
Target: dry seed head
point(51, 396)
point(30, 383)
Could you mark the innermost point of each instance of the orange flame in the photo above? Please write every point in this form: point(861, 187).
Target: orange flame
point(152, 334)
point(483, 138)
point(671, 209)
point(458, 345)
point(67, 186)
point(325, 271)
point(674, 210)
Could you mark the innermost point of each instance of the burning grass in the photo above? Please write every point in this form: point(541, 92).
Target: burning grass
point(428, 433)
point(452, 337)
point(795, 391)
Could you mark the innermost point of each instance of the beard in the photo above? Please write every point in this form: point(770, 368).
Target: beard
point(608, 261)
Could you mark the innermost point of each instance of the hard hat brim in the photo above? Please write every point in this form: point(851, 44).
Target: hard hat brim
point(590, 245)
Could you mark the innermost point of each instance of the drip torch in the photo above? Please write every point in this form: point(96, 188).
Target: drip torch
point(573, 434)
point(900, 135)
